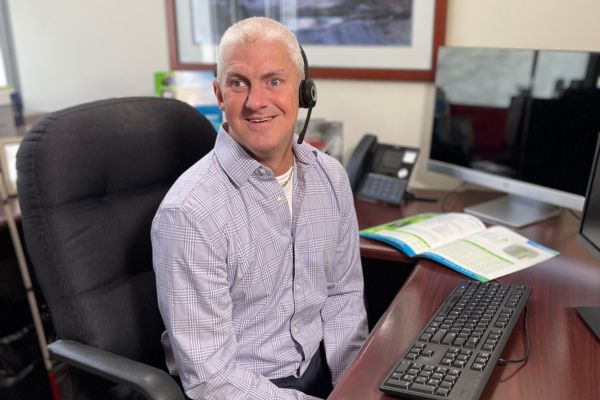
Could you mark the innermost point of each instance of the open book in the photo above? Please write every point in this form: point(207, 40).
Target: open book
point(463, 243)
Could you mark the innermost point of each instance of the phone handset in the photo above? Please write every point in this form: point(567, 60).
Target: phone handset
point(360, 159)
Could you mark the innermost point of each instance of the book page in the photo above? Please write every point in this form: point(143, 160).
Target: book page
point(492, 253)
point(424, 232)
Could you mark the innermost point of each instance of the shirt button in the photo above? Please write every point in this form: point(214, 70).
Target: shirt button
point(279, 199)
point(262, 171)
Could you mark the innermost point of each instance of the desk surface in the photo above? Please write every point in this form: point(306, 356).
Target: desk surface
point(564, 362)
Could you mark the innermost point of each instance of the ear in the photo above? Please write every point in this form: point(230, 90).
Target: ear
point(218, 94)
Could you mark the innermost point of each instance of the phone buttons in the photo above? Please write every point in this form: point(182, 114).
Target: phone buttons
point(402, 173)
point(382, 188)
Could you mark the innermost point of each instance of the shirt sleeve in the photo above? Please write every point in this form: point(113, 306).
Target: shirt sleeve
point(196, 306)
point(344, 314)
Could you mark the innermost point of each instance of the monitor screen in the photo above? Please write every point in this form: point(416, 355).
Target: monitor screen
point(521, 121)
point(589, 236)
point(589, 228)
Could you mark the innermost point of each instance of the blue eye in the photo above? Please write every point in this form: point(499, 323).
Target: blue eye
point(275, 82)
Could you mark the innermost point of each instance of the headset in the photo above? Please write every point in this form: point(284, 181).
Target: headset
point(307, 95)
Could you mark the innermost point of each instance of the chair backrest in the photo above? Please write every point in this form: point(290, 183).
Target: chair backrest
point(90, 179)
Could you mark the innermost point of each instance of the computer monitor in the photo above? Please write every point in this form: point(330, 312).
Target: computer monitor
point(589, 235)
point(520, 121)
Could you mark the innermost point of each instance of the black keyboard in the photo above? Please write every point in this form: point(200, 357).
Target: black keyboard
point(454, 355)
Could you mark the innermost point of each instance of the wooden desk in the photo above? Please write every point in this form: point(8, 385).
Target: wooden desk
point(564, 362)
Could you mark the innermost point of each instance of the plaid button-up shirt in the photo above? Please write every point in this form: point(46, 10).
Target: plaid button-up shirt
point(248, 291)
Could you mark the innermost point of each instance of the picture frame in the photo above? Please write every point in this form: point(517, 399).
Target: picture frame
point(8, 162)
point(415, 62)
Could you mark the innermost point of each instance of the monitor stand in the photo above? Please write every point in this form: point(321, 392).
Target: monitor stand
point(591, 316)
point(513, 210)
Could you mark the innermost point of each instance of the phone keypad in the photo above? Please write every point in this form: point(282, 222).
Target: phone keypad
point(382, 188)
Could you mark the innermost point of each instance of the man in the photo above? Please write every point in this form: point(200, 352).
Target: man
point(256, 245)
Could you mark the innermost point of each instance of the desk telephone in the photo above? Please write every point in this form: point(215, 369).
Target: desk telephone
point(380, 171)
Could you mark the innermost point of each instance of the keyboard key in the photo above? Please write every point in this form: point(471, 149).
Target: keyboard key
point(403, 366)
point(399, 384)
point(446, 385)
point(423, 388)
point(477, 366)
point(393, 380)
point(437, 376)
point(427, 353)
point(450, 378)
point(439, 335)
point(450, 336)
point(434, 382)
point(442, 370)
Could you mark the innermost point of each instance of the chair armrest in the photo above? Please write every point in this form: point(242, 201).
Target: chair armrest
point(153, 383)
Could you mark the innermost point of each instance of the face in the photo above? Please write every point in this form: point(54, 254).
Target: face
point(259, 94)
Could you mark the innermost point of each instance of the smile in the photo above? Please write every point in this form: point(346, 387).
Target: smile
point(256, 121)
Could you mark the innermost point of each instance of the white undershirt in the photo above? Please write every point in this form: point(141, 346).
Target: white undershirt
point(287, 189)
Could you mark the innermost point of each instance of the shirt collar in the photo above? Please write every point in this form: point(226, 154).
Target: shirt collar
point(239, 165)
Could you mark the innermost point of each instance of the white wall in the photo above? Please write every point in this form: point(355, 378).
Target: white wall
point(71, 51)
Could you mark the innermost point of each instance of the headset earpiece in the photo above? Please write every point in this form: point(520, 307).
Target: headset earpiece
point(308, 89)
point(308, 93)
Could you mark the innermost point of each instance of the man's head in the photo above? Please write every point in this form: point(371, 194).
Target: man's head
point(259, 69)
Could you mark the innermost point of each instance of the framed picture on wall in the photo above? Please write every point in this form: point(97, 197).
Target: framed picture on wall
point(8, 162)
point(343, 39)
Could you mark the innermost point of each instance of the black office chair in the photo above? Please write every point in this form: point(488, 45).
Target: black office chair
point(90, 179)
